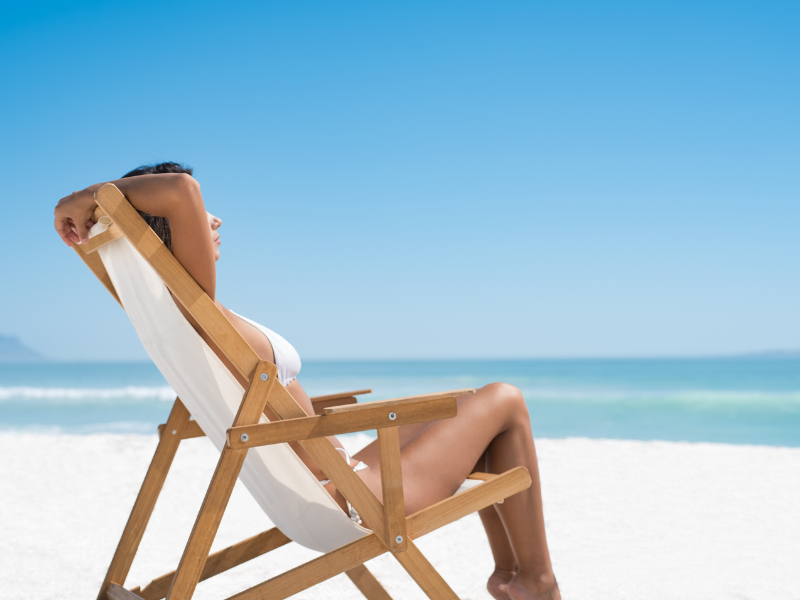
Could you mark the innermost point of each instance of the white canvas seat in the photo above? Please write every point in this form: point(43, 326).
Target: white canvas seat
point(279, 481)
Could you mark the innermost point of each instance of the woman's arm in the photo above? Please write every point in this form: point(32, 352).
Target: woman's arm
point(175, 196)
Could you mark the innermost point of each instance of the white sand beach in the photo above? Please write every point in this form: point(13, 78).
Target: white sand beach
point(638, 520)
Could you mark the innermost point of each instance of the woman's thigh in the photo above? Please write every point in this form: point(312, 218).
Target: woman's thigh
point(440, 455)
point(370, 454)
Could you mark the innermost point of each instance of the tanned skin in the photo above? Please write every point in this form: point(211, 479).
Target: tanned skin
point(491, 433)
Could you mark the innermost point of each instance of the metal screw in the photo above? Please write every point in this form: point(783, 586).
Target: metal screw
point(264, 377)
point(174, 431)
point(245, 437)
point(392, 416)
point(399, 539)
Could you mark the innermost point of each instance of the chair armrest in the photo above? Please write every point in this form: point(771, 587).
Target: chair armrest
point(350, 408)
point(320, 403)
point(357, 417)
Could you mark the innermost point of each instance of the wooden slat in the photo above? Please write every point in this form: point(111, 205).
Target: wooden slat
point(99, 213)
point(316, 571)
point(320, 403)
point(467, 502)
point(180, 283)
point(339, 395)
point(367, 584)
point(192, 430)
point(394, 509)
point(219, 491)
point(101, 239)
point(221, 561)
point(319, 407)
point(117, 592)
point(330, 461)
point(369, 417)
point(95, 264)
point(146, 500)
point(396, 402)
point(424, 574)
point(482, 476)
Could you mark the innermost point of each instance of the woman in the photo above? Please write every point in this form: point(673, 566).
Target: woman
point(491, 433)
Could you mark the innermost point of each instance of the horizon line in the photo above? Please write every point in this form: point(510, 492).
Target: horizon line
point(737, 355)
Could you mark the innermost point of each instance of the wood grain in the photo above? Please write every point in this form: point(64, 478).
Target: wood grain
point(320, 403)
point(315, 571)
point(367, 584)
point(99, 213)
point(221, 561)
point(192, 430)
point(428, 578)
point(117, 592)
point(394, 508)
point(101, 239)
point(146, 500)
point(368, 417)
point(327, 397)
point(482, 476)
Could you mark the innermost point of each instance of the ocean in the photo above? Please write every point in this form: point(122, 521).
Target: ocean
point(743, 400)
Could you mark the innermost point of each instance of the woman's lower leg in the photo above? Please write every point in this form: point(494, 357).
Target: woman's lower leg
point(505, 563)
point(522, 513)
point(438, 458)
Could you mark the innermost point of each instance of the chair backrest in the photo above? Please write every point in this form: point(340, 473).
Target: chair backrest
point(279, 481)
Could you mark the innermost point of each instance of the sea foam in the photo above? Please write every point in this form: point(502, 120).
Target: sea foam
point(163, 393)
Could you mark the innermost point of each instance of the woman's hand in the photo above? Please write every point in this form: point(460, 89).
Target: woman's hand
point(73, 215)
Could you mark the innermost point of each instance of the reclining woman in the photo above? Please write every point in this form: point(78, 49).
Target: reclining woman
point(492, 432)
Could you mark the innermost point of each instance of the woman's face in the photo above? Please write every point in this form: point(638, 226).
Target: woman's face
point(214, 223)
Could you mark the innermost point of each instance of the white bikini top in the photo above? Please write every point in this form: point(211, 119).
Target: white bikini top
point(286, 357)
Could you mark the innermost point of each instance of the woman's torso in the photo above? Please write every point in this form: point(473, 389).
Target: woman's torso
point(284, 355)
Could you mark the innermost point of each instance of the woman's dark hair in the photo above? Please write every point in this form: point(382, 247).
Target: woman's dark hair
point(159, 224)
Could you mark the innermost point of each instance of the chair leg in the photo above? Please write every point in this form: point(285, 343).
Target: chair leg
point(367, 584)
point(146, 500)
point(195, 555)
point(424, 574)
point(205, 528)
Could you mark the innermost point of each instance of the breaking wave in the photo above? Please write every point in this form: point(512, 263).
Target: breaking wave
point(77, 395)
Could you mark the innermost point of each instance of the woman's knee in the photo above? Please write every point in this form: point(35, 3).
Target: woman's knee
point(509, 398)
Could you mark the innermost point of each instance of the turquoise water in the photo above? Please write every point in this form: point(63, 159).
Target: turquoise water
point(733, 400)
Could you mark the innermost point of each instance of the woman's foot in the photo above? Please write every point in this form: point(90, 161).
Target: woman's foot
point(498, 584)
point(531, 587)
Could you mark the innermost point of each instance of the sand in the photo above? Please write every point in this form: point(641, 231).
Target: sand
point(643, 520)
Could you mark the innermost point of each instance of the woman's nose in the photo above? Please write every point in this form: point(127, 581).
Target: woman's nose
point(216, 223)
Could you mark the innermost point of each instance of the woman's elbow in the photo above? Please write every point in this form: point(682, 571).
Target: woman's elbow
point(186, 184)
point(185, 190)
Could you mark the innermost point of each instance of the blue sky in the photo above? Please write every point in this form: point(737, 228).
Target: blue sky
point(424, 180)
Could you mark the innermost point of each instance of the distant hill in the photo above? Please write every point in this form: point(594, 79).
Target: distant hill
point(14, 351)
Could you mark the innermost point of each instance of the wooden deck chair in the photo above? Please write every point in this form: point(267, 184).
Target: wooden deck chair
point(138, 270)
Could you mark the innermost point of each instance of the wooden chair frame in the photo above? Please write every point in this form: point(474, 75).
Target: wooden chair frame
point(336, 414)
